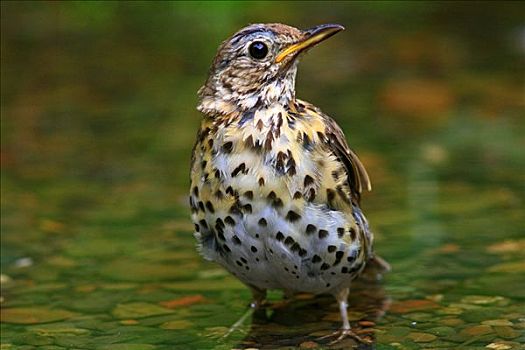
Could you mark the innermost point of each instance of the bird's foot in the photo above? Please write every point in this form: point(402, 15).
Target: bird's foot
point(342, 334)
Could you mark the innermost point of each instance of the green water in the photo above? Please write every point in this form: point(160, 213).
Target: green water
point(98, 122)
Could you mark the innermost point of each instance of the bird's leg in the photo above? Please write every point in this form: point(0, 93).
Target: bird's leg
point(258, 296)
point(346, 330)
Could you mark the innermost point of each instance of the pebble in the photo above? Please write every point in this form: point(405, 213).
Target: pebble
point(476, 330)
point(422, 337)
point(507, 246)
point(484, 300)
point(436, 297)
point(177, 324)
point(442, 331)
point(513, 267)
point(308, 345)
point(450, 311)
point(365, 331)
point(497, 322)
point(138, 309)
point(4, 279)
point(498, 346)
point(506, 332)
point(513, 315)
point(33, 315)
point(419, 316)
point(452, 322)
point(393, 334)
point(23, 262)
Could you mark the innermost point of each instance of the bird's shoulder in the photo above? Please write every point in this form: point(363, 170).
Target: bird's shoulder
point(327, 135)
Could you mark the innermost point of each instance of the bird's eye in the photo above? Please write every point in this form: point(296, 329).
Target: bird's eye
point(258, 50)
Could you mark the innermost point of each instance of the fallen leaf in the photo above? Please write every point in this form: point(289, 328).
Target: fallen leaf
point(406, 306)
point(184, 301)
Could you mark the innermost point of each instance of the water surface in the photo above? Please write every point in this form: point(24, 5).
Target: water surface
point(98, 122)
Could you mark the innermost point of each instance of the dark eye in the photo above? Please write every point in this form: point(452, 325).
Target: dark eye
point(258, 50)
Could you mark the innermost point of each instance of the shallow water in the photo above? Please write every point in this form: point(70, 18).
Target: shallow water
point(98, 123)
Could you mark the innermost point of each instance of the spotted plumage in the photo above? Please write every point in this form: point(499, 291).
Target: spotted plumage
point(275, 189)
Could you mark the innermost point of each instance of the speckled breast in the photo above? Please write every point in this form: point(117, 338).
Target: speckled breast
point(263, 200)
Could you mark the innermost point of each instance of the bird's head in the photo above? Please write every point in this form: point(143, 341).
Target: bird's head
point(257, 66)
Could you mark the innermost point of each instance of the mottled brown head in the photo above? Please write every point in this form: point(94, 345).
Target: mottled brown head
point(257, 66)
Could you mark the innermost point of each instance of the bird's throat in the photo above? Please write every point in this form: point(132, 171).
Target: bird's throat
point(221, 100)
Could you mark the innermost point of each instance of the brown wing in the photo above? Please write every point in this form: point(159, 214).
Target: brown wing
point(357, 176)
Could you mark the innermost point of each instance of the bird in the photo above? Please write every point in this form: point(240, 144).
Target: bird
point(275, 189)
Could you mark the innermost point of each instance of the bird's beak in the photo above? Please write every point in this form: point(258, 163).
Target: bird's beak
point(312, 37)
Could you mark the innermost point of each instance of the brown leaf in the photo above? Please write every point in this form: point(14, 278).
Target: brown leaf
point(184, 301)
point(406, 306)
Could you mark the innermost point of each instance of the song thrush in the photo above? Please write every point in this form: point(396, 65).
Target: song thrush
point(275, 189)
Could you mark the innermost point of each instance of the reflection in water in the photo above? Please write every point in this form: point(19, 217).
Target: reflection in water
point(305, 318)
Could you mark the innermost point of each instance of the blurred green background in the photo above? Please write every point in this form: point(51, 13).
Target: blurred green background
point(98, 120)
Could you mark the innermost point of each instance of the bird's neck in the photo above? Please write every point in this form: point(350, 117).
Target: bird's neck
point(223, 101)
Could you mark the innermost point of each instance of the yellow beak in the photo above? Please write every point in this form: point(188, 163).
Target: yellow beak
point(313, 37)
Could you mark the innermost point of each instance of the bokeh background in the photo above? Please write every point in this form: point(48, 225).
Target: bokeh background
point(97, 124)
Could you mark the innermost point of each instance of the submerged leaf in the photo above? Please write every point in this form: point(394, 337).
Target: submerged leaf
point(184, 301)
